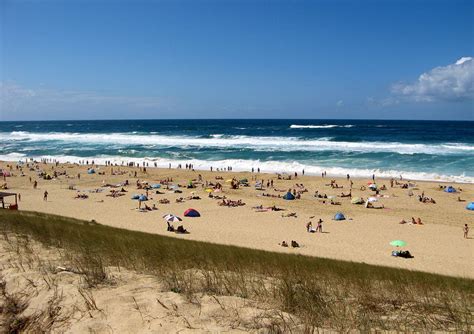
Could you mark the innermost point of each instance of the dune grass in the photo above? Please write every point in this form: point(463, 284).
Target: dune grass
point(321, 293)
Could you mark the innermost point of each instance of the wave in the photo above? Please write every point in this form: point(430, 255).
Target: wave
point(247, 165)
point(329, 126)
point(257, 143)
point(251, 142)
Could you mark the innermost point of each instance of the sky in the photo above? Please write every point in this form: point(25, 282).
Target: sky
point(236, 59)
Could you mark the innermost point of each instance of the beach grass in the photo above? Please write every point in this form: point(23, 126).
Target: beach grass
point(320, 293)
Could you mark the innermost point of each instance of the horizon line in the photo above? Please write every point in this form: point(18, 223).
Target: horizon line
point(241, 119)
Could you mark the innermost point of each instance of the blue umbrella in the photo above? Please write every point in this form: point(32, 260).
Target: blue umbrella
point(142, 198)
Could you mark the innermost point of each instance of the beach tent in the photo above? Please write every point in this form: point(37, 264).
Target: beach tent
point(289, 196)
point(357, 200)
point(191, 213)
point(91, 171)
point(470, 206)
point(339, 216)
point(373, 186)
point(142, 198)
point(450, 189)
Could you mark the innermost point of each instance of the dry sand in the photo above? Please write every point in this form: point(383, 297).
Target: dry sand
point(438, 245)
point(58, 301)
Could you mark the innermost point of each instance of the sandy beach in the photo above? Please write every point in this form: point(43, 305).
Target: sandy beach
point(438, 245)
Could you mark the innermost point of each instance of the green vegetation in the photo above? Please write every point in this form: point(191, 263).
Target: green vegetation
point(322, 293)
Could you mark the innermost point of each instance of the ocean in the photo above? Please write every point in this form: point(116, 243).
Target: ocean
point(422, 150)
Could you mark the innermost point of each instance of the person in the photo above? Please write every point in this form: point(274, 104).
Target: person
point(466, 231)
point(45, 196)
point(35, 184)
point(320, 226)
point(294, 244)
point(418, 221)
point(181, 229)
point(284, 244)
point(310, 228)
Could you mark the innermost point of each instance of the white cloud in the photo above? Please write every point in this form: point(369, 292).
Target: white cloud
point(454, 82)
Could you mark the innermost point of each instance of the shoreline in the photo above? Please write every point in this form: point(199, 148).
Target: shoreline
point(204, 166)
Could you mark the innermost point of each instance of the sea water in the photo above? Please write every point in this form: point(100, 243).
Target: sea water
point(424, 150)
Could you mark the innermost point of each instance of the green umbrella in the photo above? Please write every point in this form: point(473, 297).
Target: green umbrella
point(398, 243)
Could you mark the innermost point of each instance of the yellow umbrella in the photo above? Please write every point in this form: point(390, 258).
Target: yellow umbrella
point(208, 190)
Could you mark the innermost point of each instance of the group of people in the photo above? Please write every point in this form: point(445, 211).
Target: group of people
point(311, 229)
point(231, 203)
point(413, 221)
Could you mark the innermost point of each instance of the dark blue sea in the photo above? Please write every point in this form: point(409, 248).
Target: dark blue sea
point(430, 150)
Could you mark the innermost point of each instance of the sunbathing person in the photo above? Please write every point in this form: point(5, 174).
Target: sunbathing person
point(181, 230)
point(402, 254)
point(274, 208)
point(284, 244)
point(294, 244)
point(170, 227)
point(346, 195)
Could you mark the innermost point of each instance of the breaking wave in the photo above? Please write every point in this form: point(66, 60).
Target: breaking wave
point(258, 143)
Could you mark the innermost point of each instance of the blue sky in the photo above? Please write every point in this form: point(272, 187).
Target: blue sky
point(236, 59)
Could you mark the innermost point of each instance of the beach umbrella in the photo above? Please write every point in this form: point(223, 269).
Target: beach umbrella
point(398, 243)
point(174, 219)
point(168, 216)
point(142, 198)
point(135, 197)
point(372, 199)
point(208, 190)
point(470, 206)
point(372, 186)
